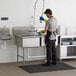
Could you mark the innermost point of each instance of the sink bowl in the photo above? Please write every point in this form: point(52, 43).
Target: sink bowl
point(24, 32)
point(5, 37)
point(5, 34)
point(4, 31)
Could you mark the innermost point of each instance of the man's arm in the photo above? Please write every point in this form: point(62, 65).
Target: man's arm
point(45, 29)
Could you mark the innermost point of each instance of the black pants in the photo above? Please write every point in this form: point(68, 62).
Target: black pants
point(51, 51)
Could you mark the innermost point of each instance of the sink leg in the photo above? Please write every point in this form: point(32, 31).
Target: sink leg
point(23, 57)
point(17, 54)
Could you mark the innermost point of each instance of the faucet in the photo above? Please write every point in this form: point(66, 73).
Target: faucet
point(32, 29)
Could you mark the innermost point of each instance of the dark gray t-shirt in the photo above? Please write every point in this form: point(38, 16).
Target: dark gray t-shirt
point(52, 25)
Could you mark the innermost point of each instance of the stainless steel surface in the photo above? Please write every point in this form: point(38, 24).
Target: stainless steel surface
point(4, 31)
point(26, 38)
point(24, 35)
point(5, 34)
point(23, 31)
point(5, 37)
point(26, 42)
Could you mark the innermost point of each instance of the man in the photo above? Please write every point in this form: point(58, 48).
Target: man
point(50, 38)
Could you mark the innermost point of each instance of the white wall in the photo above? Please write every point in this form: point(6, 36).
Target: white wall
point(64, 10)
point(19, 13)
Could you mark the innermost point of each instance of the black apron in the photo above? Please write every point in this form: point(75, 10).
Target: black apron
point(48, 35)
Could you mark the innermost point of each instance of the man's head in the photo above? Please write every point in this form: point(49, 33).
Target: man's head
point(48, 13)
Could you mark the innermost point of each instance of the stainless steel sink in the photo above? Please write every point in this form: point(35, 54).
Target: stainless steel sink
point(5, 34)
point(4, 31)
point(24, 32)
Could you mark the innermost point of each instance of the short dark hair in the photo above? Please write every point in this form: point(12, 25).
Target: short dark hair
point(48, 11)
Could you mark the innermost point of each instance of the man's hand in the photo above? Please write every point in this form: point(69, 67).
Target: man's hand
point(41, 32)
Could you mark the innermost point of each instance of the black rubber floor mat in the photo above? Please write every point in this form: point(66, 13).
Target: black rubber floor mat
point(43, 68)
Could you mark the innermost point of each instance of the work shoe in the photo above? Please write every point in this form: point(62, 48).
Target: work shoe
point(54, 63)
point(47, 64)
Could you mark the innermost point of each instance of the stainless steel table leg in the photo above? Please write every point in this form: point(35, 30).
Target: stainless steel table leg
point(17, 54)
point(20, 55)
point(23, 57)
point(60, 60)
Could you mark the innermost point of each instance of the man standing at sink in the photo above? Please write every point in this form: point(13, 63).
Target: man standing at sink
point(50, 37)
